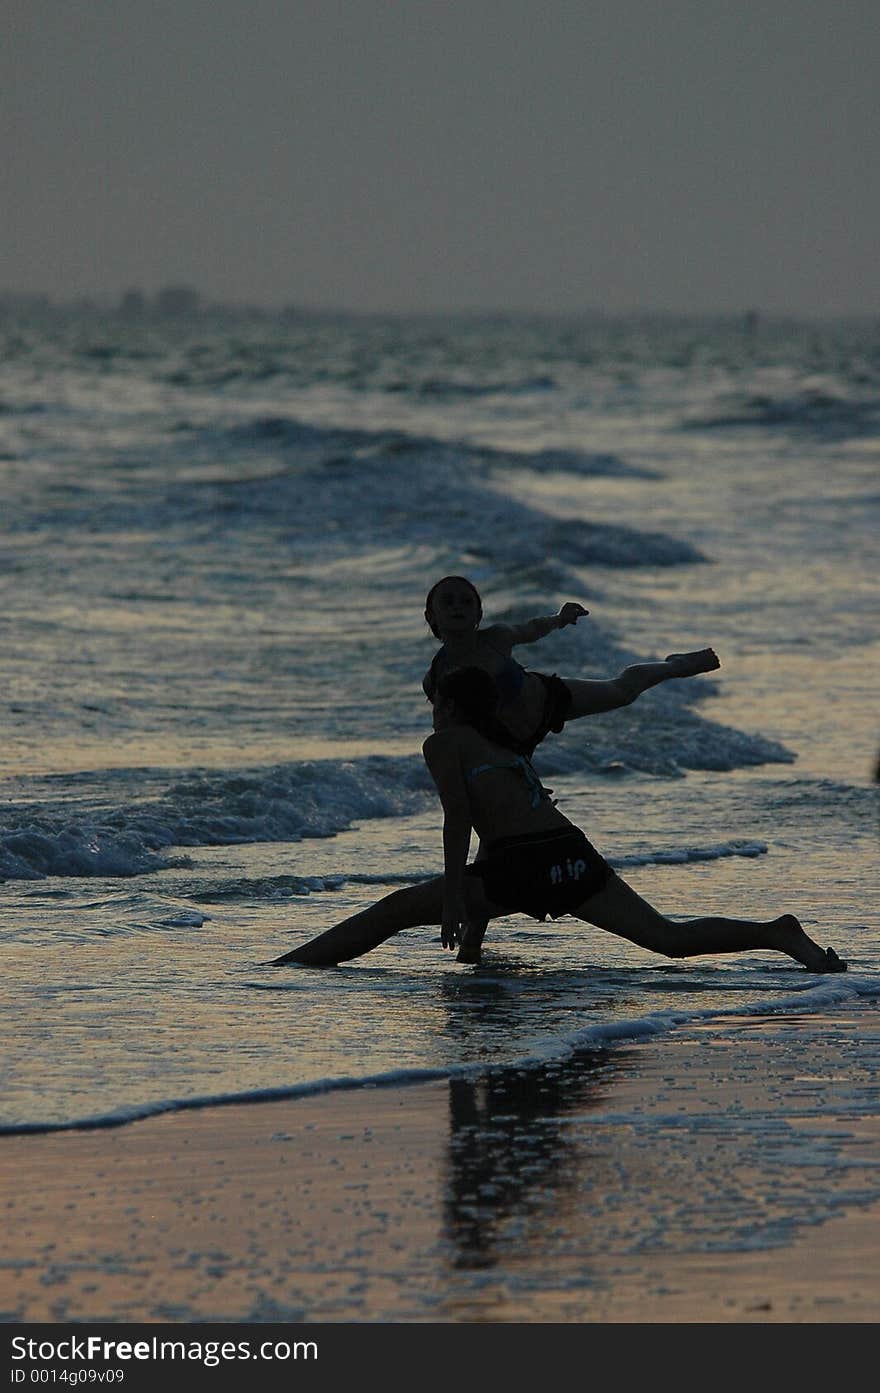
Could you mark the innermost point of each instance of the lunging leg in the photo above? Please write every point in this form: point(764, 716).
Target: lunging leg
point(621, 911)
point(402, 909)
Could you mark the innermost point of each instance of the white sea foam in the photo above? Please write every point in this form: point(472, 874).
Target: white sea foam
point(311, 799)
point(814, 997)
point(216, 541)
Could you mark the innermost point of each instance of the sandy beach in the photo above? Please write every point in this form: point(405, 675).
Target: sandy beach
point(685, 1179)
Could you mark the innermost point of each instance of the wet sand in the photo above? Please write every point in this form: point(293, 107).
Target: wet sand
point(723, 1174)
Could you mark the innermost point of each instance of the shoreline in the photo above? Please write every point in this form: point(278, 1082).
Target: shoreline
point(726, 1173)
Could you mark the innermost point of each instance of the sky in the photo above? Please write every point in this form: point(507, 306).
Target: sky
point(695, 156)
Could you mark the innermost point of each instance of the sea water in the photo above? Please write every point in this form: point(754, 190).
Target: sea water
point(216, 538)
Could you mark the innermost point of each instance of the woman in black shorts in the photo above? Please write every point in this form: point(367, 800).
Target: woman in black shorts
point(533, 861)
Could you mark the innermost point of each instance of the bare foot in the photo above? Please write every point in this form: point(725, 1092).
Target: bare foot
point(689, 664)
point(799, 945)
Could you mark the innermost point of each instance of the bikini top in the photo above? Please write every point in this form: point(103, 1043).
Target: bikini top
point(536, 789)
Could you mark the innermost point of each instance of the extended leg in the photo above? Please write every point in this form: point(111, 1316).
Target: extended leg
point(588, 698)
point(402, 909)
point(621, 911)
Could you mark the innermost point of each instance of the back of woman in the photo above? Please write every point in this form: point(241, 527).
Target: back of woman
point(504, 795)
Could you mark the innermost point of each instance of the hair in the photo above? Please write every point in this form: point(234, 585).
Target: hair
point(474, 693)
point(429, 599)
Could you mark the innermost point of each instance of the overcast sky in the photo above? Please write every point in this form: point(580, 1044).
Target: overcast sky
point(691, 155)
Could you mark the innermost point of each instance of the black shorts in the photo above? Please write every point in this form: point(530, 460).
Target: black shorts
point(542, 874)
point(557, 705)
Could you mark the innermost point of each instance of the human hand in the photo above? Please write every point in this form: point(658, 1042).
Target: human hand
point(454, 923)
point(570, 613)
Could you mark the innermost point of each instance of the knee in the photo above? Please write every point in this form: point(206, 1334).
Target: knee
point(667, 937)
point(631, 684)
point(674, 940)
point(475, 898)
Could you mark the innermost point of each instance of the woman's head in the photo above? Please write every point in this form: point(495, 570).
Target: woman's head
point(471, 692)
point(453, 603)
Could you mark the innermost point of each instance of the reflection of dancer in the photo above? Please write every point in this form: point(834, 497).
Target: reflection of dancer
point(536, 862)
point(530, 704)
point(510, 1151)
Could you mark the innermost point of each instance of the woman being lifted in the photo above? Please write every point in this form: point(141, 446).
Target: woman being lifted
point(530, 704)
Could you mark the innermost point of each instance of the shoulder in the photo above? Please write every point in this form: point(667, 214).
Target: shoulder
point(441, 743)
point(499, 636)
point(446, 758)
point(450, 744)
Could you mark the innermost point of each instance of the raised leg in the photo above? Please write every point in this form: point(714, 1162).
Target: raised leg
point(621, 911)
point(588, 698)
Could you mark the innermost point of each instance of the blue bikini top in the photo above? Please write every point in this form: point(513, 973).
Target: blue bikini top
point(533, 783)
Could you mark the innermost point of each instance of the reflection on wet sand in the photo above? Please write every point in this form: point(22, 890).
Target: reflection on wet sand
point(512, 1158)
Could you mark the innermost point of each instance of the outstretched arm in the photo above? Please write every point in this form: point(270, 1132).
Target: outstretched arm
point(533, 629)
point(590, 698)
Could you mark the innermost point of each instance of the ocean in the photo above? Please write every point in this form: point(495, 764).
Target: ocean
point(217, 535)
